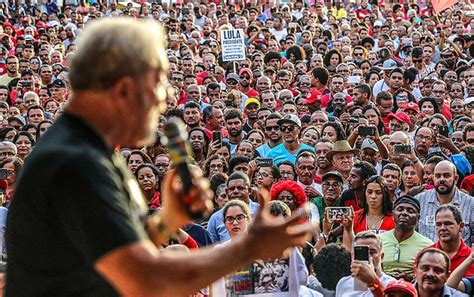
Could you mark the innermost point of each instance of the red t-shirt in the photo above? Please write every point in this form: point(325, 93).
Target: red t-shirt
point(326, 98)
point(463, 253)
point(252, 94)
point(446, 111)
point(360, 223)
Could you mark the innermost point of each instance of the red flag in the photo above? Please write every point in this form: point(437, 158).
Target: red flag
point(440, 5)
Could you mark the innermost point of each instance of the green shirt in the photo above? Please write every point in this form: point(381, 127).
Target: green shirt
point(400, 256)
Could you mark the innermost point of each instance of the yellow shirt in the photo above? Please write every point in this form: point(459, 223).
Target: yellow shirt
point(339, 14)
point(5, 79)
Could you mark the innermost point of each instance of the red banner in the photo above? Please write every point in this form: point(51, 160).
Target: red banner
point(440, 5)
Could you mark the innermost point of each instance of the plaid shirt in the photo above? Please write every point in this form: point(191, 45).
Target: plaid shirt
point(429, 204)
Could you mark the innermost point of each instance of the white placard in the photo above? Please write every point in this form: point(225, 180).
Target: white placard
point(233, 45)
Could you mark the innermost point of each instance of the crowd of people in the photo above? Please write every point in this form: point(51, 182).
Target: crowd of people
point(363, 111)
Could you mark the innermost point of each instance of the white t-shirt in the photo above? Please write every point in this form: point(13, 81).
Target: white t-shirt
point(345, 287)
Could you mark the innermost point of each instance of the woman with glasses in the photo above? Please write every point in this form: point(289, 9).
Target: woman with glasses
point(287, 171)
point(376, 215)
point(147, 177)
point(215, 164)
point(401, 98)
point(13, 165)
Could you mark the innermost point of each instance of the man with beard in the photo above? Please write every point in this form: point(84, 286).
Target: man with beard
point(445, 178)
point(439, 91)
point(305, 171)
point(342, 157)
point(339, 107)
point(403, 243)
point(432, 269)
point(12, 71)
point(251, 108)
point(393, 176)
point(323, 165)
point(290, 127)
point(234, 125)
point(361, 95)
point(423, 142)
point(272, 134)
point(449, 224)
point(245, 81)
point(192, 115)
point(355, 195)
point(238, 187)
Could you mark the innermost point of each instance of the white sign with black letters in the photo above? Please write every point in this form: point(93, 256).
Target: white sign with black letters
point(233, 45)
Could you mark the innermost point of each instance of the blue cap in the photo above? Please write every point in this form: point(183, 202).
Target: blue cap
point(462, 164)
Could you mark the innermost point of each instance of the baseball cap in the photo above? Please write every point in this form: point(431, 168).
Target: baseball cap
point(412, 106)
point(290, 118)
point(389, 64)
point(369, 143)
point(17, 118)
point(26, 72)
point(401, 286)
point(59, 83)
point(252, 100)
point(231, 76)
point(246, 70)
point(334, 174)
point(400, 116)
point(269, 69)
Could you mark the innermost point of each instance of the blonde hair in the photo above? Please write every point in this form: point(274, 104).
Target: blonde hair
point(113, 48)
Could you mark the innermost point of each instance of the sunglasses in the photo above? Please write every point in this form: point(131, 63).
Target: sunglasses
point(270, 128)
point(287, 128)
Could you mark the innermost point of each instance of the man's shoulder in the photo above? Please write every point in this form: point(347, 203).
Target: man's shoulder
point(425, 194)
point(277, 149)
point(422, 239)
point(304, 146)
point(387, 236)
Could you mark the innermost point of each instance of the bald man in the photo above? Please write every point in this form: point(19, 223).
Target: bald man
point(445, 178)
point(398, 138)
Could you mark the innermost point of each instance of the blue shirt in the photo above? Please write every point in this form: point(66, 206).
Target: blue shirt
point(280, 153)
point(216, 226)
point(263, 150)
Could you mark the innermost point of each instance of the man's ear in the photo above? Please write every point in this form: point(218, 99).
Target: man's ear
point(124, 91)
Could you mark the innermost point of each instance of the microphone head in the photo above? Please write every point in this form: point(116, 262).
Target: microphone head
point(172, 129)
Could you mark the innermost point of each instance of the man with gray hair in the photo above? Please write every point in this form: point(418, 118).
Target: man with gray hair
point(7, 150)
point(78, 205)
point(30, 99)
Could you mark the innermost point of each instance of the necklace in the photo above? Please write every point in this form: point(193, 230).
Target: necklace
point(374, 222)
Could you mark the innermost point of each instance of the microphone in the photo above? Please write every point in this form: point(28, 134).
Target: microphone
point(175, 139)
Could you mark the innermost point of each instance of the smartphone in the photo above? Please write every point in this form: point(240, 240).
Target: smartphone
point(444, 130)
point(361, 253)
point(26, 84)
point(402, 149)
point(264, 162)
point(3, 173)
point(337, 213)
point(366, 131)
point(217, 135)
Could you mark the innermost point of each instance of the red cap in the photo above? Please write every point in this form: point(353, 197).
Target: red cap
point(314, 96)
point(246, 70)
point(411, 106)
point(400, 116)
point(401, 286)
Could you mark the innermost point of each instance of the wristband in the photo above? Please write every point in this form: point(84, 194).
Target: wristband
point(374, 285)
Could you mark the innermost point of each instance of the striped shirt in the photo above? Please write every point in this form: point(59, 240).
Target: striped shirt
point(429, 204)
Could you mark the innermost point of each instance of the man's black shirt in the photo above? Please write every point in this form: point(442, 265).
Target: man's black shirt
point(71, 207)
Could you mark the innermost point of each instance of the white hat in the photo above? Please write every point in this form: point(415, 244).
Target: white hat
point(369, 143)
point(469, 100)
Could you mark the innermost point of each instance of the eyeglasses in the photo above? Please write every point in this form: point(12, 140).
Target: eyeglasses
point(358, 54)
point(284, 98)
point(162, 165)
point(306, 84)
point(330, 185)
point(287, 128)
point(239, 218)
point(399, 98)
point(261, 175)
point(244, 77)
point(270, 128)
point(286, 173)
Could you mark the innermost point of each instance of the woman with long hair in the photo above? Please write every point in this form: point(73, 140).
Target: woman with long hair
point(377, 212)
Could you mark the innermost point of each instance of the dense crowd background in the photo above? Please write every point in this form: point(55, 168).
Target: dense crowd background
point(364, 110)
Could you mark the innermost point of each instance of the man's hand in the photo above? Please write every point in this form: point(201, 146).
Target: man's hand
point(311, 192)
point(363, 272)
point(282, 234)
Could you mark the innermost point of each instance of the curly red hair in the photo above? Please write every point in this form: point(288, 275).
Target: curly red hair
point(291, 186)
